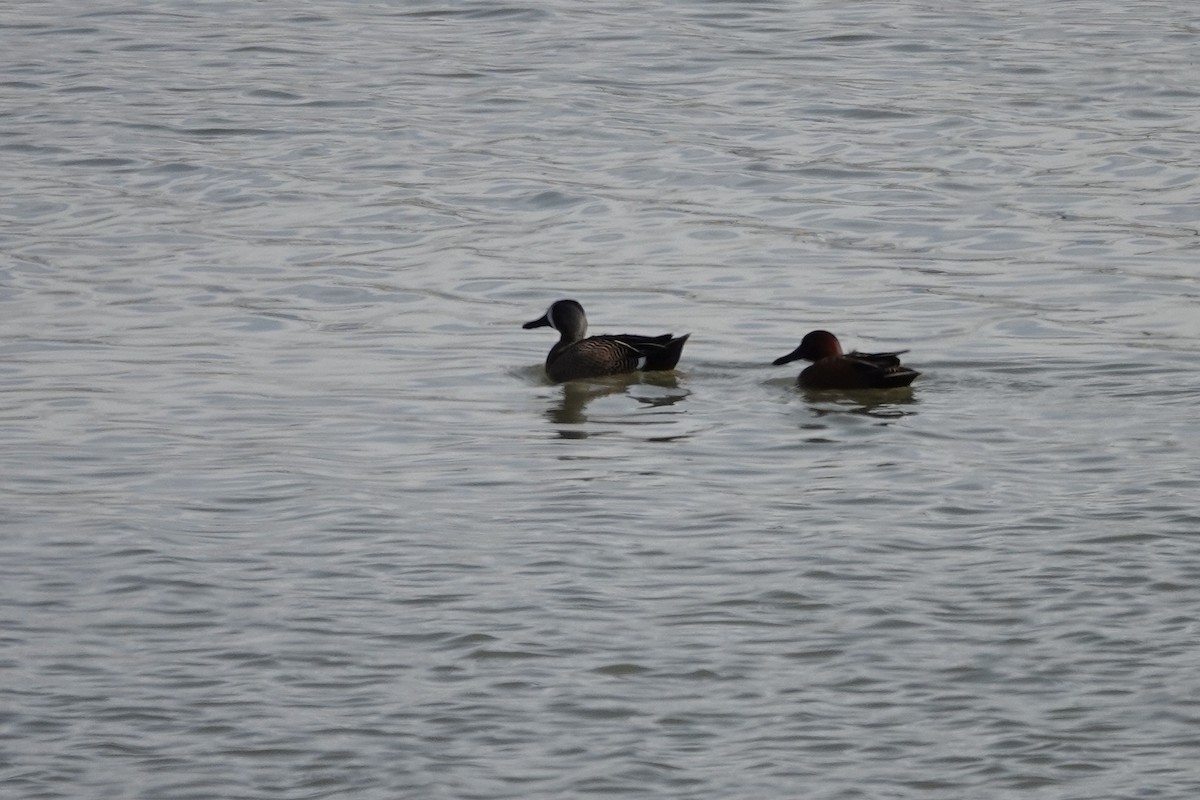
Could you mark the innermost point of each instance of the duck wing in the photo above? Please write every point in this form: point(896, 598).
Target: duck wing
point(881, 370)
point(660, 352)
point(598, 356)
point(878, 359)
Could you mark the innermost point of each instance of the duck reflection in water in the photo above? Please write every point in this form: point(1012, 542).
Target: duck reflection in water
point(880, 404)
point(573, 397)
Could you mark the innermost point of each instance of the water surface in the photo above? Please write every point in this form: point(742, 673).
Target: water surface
point(290, 511)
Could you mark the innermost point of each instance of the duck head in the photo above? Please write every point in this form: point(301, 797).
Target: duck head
point(813, 347)
point(564, 316)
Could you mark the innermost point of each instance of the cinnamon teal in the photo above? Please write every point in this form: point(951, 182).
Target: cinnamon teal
point(831, 369)
point(575, 357)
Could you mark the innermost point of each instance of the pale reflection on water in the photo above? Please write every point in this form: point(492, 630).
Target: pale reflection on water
point(657, 390)
point(877, 403)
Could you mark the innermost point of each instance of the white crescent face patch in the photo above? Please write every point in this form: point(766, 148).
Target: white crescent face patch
point(641, 362)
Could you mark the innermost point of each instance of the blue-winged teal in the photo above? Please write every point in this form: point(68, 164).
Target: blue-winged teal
point(831, 369)
point(575, 357)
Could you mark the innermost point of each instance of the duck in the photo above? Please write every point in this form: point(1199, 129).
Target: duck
point(832, 369)
point(575, 357)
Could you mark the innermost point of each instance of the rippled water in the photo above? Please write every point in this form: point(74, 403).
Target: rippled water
point(289, 510)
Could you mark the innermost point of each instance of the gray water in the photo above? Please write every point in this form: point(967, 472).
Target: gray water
point(289, 510)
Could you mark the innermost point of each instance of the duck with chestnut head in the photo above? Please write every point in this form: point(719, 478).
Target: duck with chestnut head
point(833, 369)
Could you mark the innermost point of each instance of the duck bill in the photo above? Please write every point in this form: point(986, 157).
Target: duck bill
point(541, 322)
point(792, 356)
